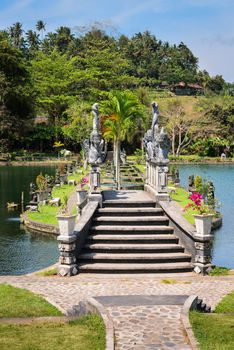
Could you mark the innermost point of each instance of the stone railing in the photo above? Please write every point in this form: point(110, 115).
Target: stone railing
point(71, 245)
point(200, 248)
point(156, 179)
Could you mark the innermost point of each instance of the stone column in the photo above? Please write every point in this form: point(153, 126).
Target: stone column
point(203, 257)
point(67, 259)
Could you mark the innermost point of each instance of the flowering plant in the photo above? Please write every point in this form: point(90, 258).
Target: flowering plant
point(198, 204)
point(84, 181)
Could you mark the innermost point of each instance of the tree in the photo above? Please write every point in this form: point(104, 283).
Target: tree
point(41, 27)
point(78, 125)
point(184, 123)
point(53, 77)
point(122, 111)
point(33, 41)
point(17, 96)
point(16, 35)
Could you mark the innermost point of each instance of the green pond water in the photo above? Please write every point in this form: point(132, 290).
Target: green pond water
point(21, 251)
point(222, 176)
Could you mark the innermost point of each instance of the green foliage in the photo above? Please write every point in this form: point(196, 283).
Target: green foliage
point(219, 271)
point(16, 302)
point(41, 182)
point(139, 156)
point(198, 183)
point(61, 74)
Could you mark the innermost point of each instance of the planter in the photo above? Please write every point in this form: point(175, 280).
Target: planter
point(66, 224)
point(81, 196)
point(203, 224)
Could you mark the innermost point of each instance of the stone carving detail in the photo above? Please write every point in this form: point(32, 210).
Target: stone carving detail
point(67, 260)
point(67, 247)
point(156, 142)
point(202, 246)
point(203, 259)
point(95, 148)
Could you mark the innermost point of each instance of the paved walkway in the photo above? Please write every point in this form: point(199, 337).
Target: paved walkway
point(138, 325)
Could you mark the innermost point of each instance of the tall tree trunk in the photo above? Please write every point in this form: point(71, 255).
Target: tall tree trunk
point(117, 164)
point(173, 142)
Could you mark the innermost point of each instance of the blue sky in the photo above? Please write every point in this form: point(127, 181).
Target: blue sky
point(206, 26)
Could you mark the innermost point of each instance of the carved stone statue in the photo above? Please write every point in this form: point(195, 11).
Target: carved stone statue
point(123, 156)
point(155, 115)
point(156, 142)
point(95, 148)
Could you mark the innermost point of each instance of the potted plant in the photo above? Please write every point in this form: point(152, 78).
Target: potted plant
point(81, 191)
point(66, 220)
point(203, 216)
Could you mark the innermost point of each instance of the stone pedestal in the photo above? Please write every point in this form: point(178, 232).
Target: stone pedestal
point(67, 259)
point(95, 197)
point(203, 256)
point(95, 178)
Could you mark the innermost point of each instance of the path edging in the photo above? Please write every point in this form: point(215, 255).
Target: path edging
point(91, 305)
point(190, 304)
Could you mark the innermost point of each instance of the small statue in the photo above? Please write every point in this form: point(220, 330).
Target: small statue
point(123, 156)
point(211, 194)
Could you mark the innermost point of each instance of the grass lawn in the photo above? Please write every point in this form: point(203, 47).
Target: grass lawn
point(47, 214)
point(182, 198)
point(215, 331)
point(17, 302)
point(87, 333)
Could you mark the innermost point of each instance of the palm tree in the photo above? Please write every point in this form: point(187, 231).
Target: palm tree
point(32, 39)
point(40, 26)
point(16, 34)
point(123, 111)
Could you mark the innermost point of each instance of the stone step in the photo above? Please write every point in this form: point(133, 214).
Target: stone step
point(128, 204)
point(135, 268)
point(133, 247)
point(135, 257)
point(131, 220)
point(133, 239)
point(132, 229)
point(130, 212)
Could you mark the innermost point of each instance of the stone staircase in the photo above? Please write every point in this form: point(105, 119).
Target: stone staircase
point(132, 237)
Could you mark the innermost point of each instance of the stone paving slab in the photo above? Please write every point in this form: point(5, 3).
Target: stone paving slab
point(137, 300)
point(148, 327)
point(127, 195)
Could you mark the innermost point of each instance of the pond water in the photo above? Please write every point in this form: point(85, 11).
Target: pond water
point(21, 251)
point(222, 176)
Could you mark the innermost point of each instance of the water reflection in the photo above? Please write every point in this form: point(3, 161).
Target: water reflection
point(21, 251)
point(222, 176)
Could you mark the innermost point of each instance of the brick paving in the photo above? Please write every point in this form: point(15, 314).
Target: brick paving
point(138, 327)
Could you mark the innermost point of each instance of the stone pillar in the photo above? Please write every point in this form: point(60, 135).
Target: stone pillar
point(67, 259)
point(203, 257)
point(95, 179)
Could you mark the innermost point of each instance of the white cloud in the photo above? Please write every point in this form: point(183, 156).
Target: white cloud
point(156, 6)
